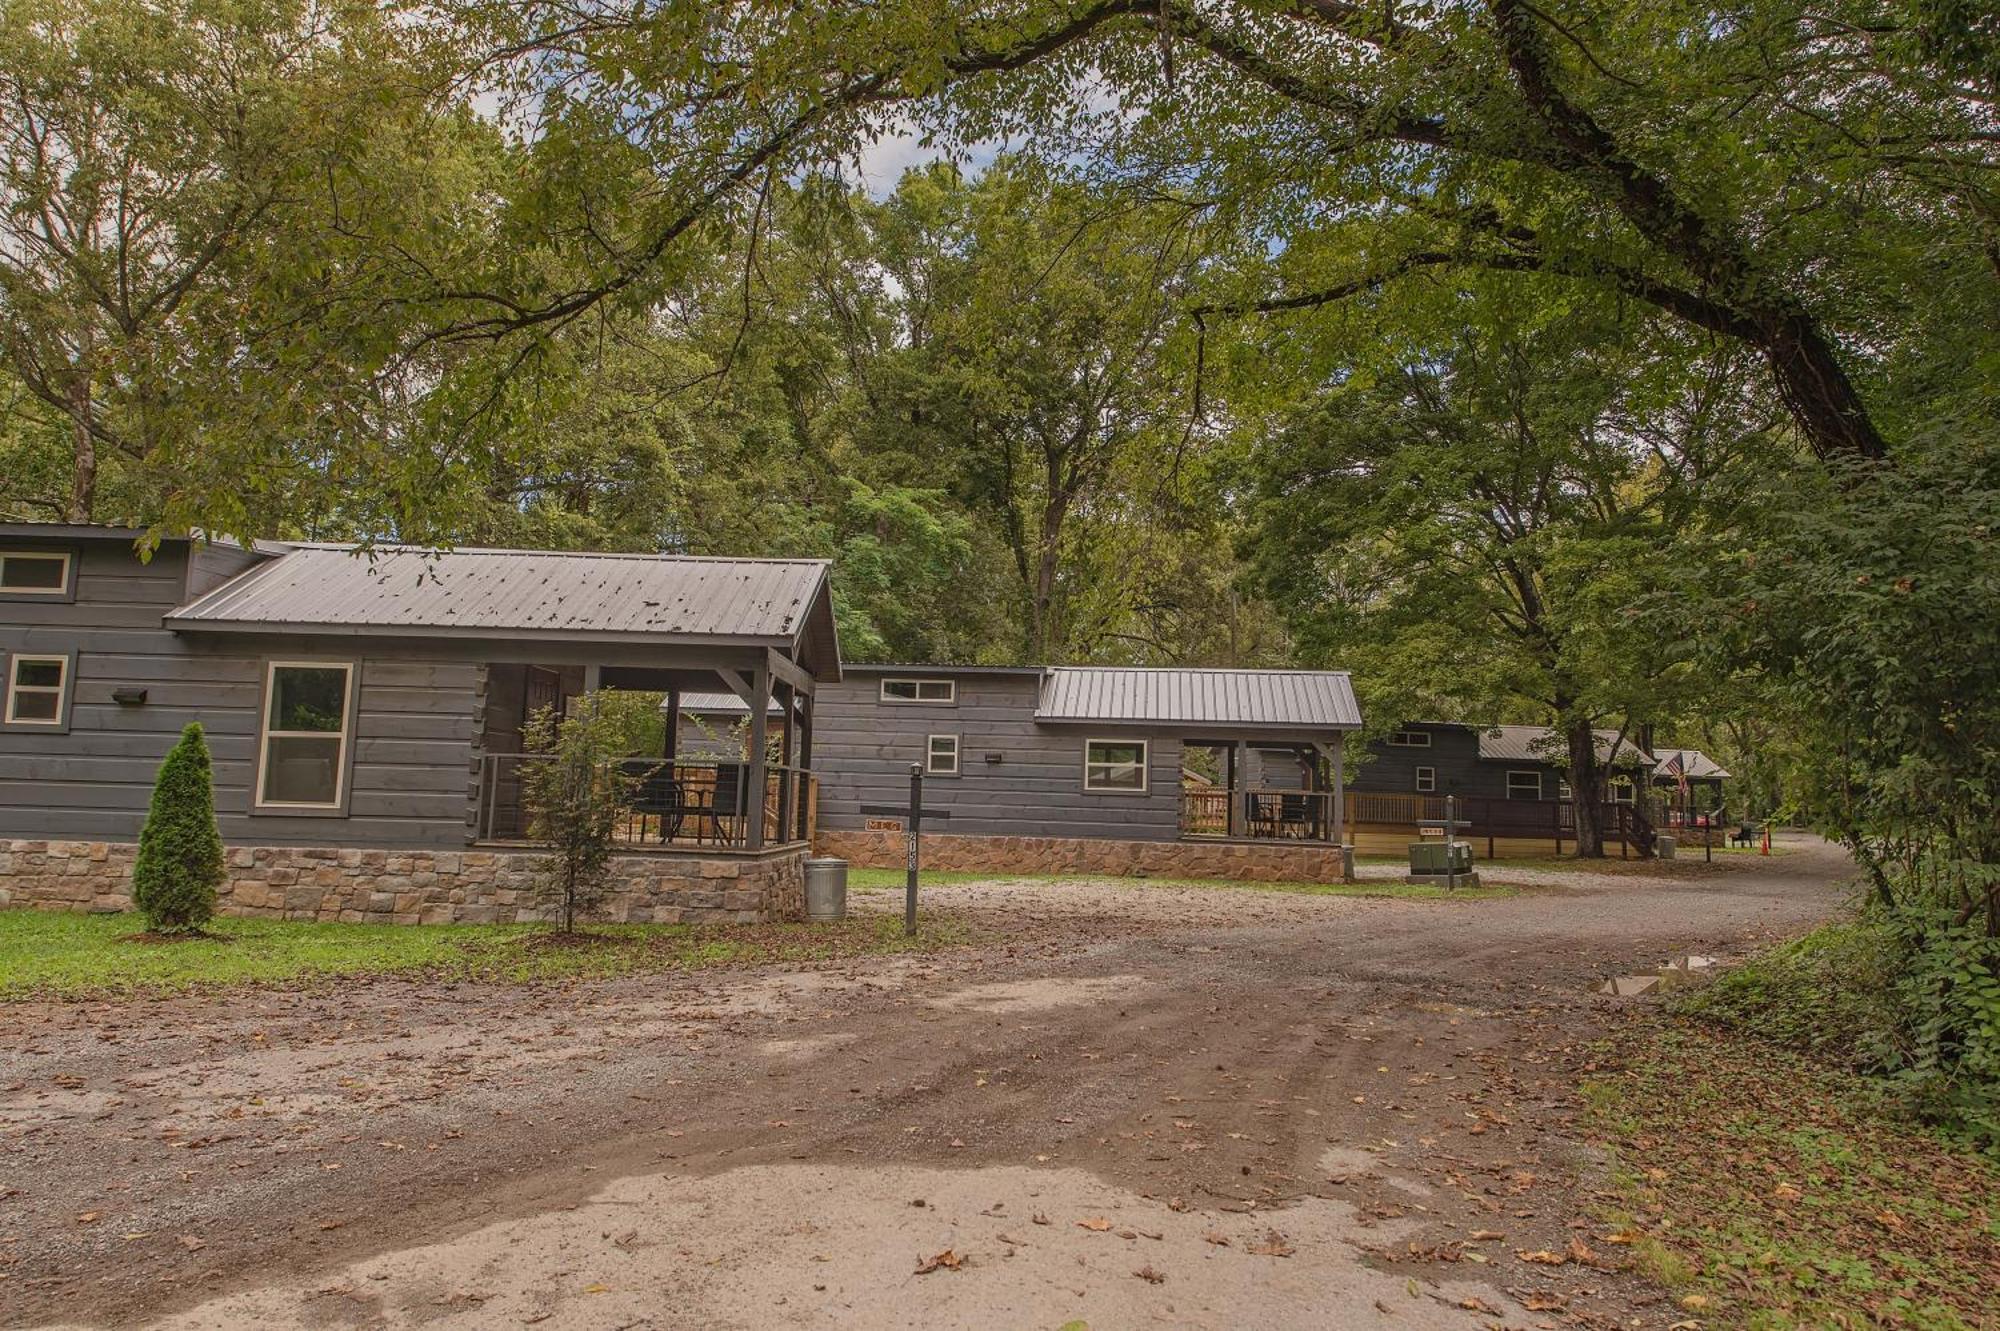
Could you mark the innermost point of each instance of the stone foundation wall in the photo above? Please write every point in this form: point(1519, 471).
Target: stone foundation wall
point(1264, 862)
point(414, 887)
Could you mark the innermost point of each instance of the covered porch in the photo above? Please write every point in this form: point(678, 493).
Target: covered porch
point(1273, 787)
point(730, 772)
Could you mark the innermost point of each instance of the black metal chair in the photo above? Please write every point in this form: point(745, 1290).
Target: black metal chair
point(655, 794)
point(730, 802)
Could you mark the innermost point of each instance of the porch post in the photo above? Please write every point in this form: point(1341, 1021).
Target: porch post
point(671, 745)
point(757, 773)
point(1239, 771)
point(787, 699)
point(1339, 765)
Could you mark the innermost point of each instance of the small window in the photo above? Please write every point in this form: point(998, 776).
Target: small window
point(34, 572)
point(1563, 792)
point(1524, 785)
point(1411, 739)
point(920, 690)
point(1427, 779)
point(1115, 766)
point(304, 756)
point(1621, 790)
point(36, 689)
point(941, 755)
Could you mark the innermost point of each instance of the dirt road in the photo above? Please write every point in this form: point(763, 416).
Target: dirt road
point(1149, 1106)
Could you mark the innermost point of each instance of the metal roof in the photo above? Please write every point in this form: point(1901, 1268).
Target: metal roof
point(1698, 765)
point(1287, 699)
point(1541, 744)
point(698, 704)
point(403, 589)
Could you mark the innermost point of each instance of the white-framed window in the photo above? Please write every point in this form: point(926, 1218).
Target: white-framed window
point(920, 690)
point(1524, 785)
point(1410, 739)
point(34, 572)
point(37, 690)
point(302, 756)
point(1563, 792)
point(1427, 779)
point(1115, 766)
point(941, 755)
point(1622, 791)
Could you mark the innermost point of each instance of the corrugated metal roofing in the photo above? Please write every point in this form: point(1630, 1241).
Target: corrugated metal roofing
point(719, 703)
point(1540, 744)
point(399, 588)
point(1697, 764)
point(1291, 699)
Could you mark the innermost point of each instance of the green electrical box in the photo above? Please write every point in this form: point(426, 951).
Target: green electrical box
point(1429, 857)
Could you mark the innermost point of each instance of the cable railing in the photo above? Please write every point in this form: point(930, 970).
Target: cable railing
point(683, 804)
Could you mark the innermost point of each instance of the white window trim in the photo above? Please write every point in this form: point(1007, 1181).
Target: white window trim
point(950, 691)
point(1613, 785)
point(265, 735)
point(1409, 739)
point(1427, 780)
point(1518, 772)
point(61, 690)
point(60, 591)
point(1145, 767)
point(931, 755)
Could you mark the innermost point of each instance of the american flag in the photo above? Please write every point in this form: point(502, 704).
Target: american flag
point(1675, 766)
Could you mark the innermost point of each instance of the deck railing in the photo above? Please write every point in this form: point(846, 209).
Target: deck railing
point(684, 804)
point(1263, 815)
point(1307, 815)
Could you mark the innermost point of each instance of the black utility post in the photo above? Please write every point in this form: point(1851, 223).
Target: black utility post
point(914, 834)
point(913, 829)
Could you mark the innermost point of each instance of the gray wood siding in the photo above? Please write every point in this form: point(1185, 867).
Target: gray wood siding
point(409, 755)
point(1454, 752)
point(863, 748)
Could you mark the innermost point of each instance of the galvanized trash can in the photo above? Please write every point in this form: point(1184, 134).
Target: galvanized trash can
point(826, 889)
point(1664, 846)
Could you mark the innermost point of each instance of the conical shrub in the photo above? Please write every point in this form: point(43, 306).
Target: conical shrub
point(180, 860)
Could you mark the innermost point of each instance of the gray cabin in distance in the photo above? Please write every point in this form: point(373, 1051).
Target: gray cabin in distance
point(364, 709)
point(1075, 769)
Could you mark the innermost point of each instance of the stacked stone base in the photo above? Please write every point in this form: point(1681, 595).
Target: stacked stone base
point(1259, 862)
point(415, 886)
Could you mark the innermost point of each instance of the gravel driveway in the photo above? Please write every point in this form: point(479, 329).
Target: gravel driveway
point(1183, 1106)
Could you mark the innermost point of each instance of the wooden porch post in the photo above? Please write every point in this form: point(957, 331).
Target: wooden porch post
point(1239, 769)
point(788, 700)
point(671, 744)
point(1339, 765)
point(757, 771)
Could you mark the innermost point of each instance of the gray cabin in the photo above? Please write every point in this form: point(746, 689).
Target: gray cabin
point(1090, 769)
point(365, 709)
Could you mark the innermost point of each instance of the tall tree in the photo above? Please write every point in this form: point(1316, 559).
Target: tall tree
point(1773, 175)
point(1480, 528)
point(196, 199)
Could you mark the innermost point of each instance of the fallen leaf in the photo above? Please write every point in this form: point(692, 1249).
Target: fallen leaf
point(1150, 1276)
point(1219, 1240)
point(88, 1217)
point(1541, 1256)
point(1096, 1224)
point(193, 1244)
point(947, 1259)
point(1483, 1235)
point(1273, 1244)
point(1039, 1219)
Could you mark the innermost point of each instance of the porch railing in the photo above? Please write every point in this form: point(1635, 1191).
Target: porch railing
point(1307, 815)
point(1265, 815)
point(683, 804)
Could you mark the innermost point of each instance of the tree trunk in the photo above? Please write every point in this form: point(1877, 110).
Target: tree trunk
point(83, 462)
point(1586, 788)
point(1817, 391)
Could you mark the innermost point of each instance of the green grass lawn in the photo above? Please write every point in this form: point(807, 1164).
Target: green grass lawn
point(46, 954)
point(1769, 1189)
point(880, 880)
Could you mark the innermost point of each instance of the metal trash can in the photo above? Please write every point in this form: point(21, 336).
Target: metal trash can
point(826, 889)
point(1664, 846)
